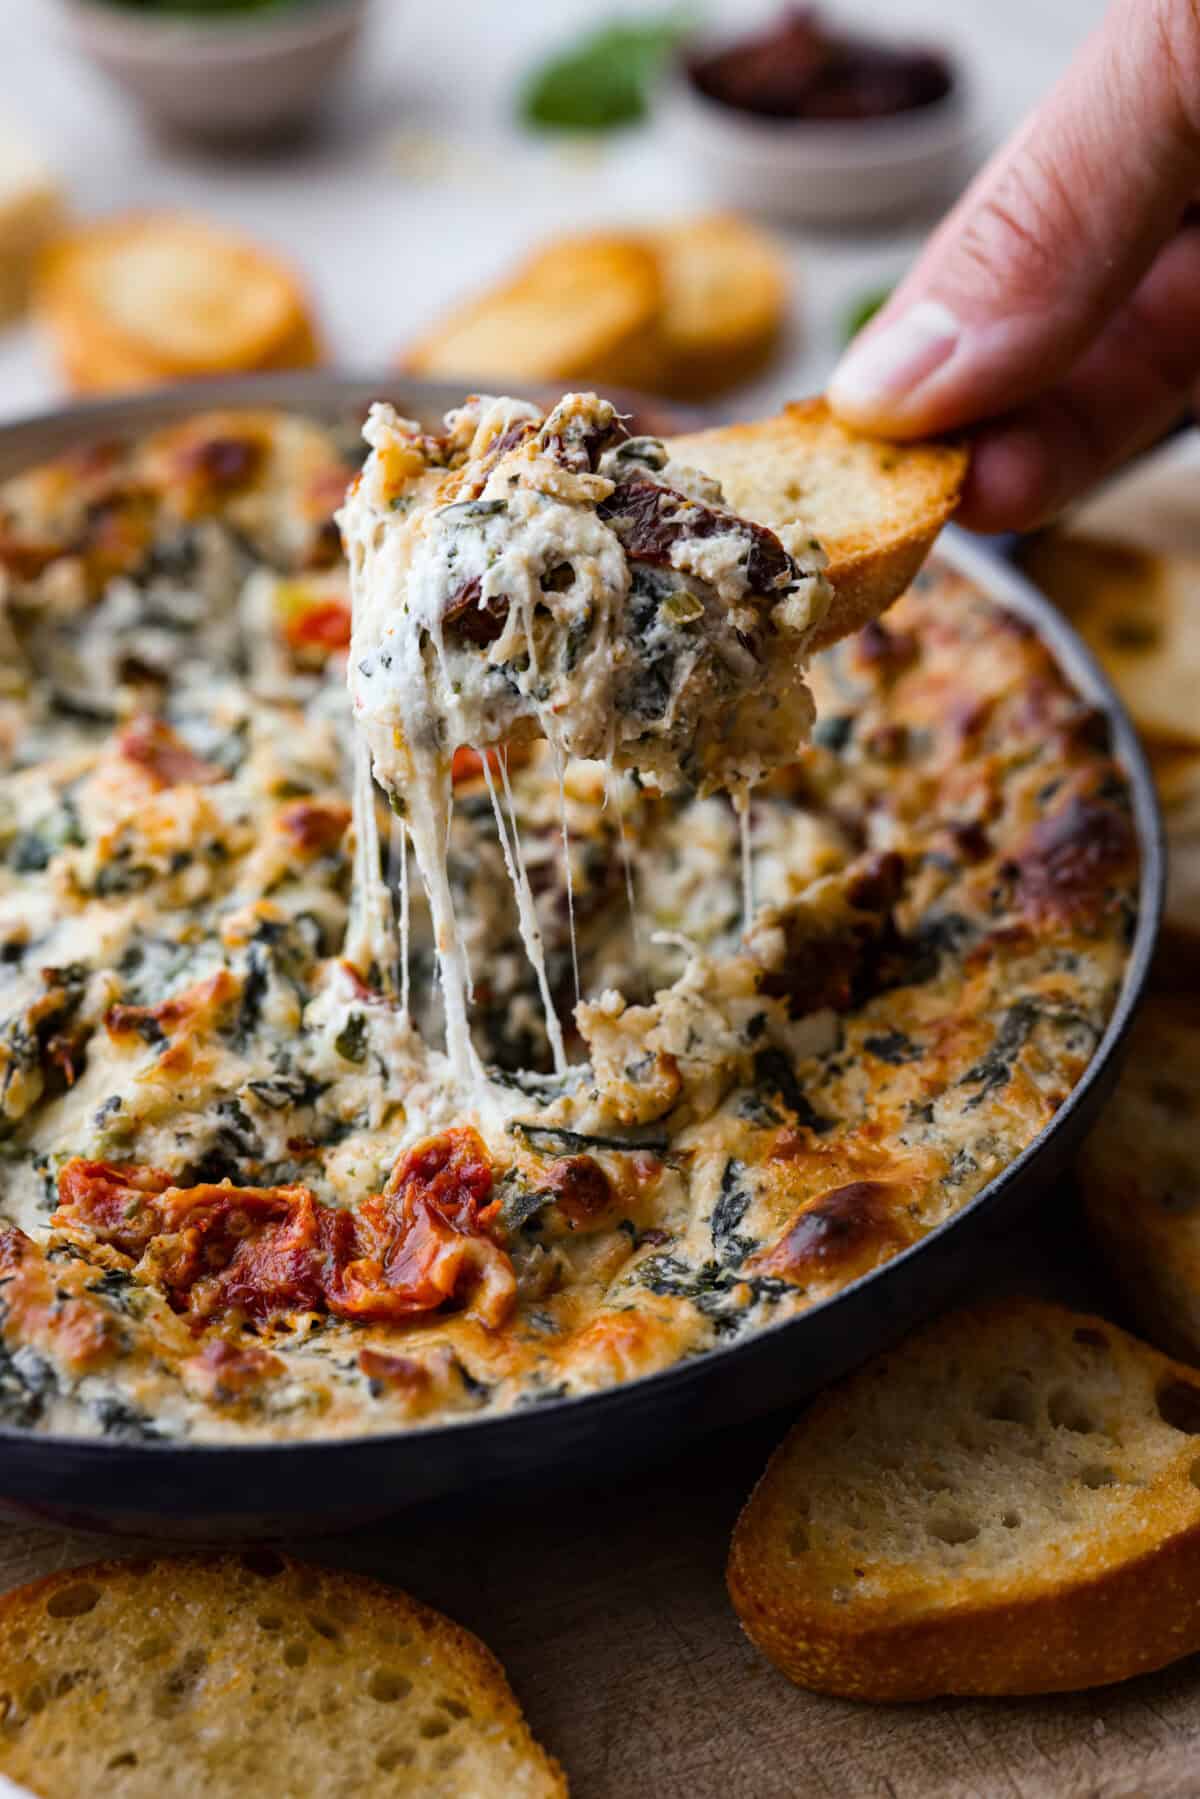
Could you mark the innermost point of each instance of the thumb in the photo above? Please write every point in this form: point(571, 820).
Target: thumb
point(1050, 239)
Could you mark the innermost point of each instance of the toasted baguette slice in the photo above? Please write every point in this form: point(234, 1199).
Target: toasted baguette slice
point(1139, 613)
point(152, 297)
point(1007, 1503)
point(583, 307)
point(1177, 778)
point(230, 1676)
point(725, 298)
point(1140, 1173)
point(31, 211)
point(874, 507)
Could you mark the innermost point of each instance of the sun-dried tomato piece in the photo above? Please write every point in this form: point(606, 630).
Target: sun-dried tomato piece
point(650, 520)
point(422, 1239)
point(152, 745)
point(325, 625)
point(263, 1252)
point(223, 463)
point(467, 764)
point(314, 826)
point(113, 1201)
point(473, 621)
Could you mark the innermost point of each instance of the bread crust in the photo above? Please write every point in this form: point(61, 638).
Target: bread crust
point(1140, 1172)
point(875, 507)
point(1139, 613)
point(581, 308)
point(726, 288)
point(1117, 1604)
point(688, 311)
point(229, 1595)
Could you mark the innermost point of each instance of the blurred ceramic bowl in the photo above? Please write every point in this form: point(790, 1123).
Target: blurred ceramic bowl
point(823, 172)
point(250, 75)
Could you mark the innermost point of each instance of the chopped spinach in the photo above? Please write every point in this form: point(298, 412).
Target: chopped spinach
point(733, 1202)
point(834, 733)
point(935, 936)
point(278, 1092)
point(26, 1380)
point(121, 1291)
point(555, 1137)
point(774, 1076)
point(519, 1202)
point(351, 1041)
point(893, 1047)
point(117, 1418)
point(543, 1395)
point(30, 851)
point(255, 983)
point(710, 1288)
point(478, 1389)
point(995, 1069)
point(121, 874)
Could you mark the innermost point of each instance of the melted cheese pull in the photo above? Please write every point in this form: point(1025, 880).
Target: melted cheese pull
point(526, 575)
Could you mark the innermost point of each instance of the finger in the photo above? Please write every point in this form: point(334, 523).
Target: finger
point(1052, 237)
point(1121, 395)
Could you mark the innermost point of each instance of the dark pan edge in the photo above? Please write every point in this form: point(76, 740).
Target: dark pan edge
point(267, 1489)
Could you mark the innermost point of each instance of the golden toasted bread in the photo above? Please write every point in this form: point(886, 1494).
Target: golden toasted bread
point(1140, 1173)
point(31, 212)
point(146, 298)
point(1006, 1503)
point(725, 299)
point(1139, 613)
point(251, 1674)
point(1177, 778)
point(583, 308)
point(874, 507)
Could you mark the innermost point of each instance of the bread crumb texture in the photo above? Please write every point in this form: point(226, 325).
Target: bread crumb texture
point(251, 1674)
point(1008, 1503)
point(1140, 1173)
point(141, 298)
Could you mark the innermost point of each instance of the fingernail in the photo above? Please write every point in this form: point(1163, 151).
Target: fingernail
point(880, 374)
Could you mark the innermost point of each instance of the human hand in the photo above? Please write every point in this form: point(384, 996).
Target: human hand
point(1057, 307)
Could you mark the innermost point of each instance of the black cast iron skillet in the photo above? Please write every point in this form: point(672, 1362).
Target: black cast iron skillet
point(288, 1489)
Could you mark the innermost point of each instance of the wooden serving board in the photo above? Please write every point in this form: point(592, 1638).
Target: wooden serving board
point(607, 1606)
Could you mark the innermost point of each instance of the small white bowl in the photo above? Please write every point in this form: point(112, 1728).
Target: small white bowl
point(223, 76)
point(835, 172)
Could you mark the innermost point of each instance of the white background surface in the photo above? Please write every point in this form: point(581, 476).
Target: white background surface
point(423, 187)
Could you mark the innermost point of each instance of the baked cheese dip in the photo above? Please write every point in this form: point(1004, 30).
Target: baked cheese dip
point(245, 1191)
point(553, 576)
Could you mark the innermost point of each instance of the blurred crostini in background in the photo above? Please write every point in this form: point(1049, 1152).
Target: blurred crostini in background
point(687, 311)
point(1125, 569)
point(31, 212)
point(143, 298)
